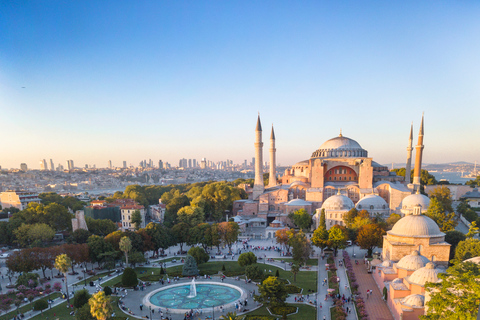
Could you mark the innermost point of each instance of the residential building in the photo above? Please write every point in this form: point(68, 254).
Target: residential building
point(18, 199)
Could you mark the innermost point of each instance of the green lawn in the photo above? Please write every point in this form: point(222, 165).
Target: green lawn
point(29, 306)
point(304, 312)
point(62, 312)
point(310, 262)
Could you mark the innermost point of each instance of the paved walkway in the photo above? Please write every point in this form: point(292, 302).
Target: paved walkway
point(376, 308)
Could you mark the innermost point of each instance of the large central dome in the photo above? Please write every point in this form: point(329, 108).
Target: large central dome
point(340, 147)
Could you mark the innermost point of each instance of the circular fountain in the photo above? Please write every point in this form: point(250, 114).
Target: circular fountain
point(180, 298)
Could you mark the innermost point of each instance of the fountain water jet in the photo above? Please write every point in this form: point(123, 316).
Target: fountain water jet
point(193, 290)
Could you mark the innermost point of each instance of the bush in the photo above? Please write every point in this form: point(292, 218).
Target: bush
point(40, 305)
point(190, 267)
point(81, 298)
point(223, 267)
point(108, 291)
point(277, 274)
point(283, 310)
point(28, 279)
point(385, 293)
point(162, 271)
point(254, 272)
point(291, 289)
point(199, 255)
point(246, 259)
point(129, 278)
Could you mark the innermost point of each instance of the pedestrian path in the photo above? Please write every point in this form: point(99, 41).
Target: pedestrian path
point(376, 307)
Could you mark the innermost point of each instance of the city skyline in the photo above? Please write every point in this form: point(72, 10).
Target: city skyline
point(128, 81)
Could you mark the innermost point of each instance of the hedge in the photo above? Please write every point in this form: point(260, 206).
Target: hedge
point(281, 310)
point(291, 289)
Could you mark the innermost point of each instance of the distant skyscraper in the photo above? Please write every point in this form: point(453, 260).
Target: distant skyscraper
point(160, 164)
point(60, 167)
point(203, 163)
point(189, 163)
point(110, 164)
point(23, 167)
point(70, 165)
point(52, 166)
point(124, 164)
point(43, 165)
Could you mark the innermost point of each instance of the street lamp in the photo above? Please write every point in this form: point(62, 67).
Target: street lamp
point(84, 278)
point(150, 307)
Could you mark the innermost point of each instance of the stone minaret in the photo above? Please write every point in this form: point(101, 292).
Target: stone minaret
point(408, 167)
point(418, 159)
point(272, 178)
point(258, 186)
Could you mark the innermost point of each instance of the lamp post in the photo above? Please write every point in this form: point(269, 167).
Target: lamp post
point(150, 307)
point(84, 278)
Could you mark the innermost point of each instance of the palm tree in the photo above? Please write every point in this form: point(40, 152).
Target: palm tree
point(229, 316)
point(100, 306)
point(63, 263)
point(125, 245)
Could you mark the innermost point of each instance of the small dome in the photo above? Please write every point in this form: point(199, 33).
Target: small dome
point(416, 226)
point(425, 274)
point(338, 202)
point(386, 263)
point(413, 261)
point(413, 200)
point(372, 202)
point(414, 300)
point(397, 280)
point(298, 202)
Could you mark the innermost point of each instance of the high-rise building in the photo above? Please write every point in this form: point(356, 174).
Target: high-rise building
point(70, 165)
point(110, 164)
point(194, 163)
point(160, 164)
point(52, 166)
point(43, 165)
point(203, 163)
point(189, 163)
point(124, 164)
point(60, 167)
point(23, 167)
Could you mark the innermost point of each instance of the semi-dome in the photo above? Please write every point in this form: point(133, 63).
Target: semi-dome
point(413, 261)
point(397, 280)
point(414, 300)
point(338, 202)
point(414, 200)
point(424, 275)
point(372, 202)
point(298, 202)
point(340, 147)
point(416, 226)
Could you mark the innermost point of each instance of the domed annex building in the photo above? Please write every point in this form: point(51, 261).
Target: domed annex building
point(337, 177)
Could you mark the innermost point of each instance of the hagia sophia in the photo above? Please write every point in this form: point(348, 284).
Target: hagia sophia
point(340, 176)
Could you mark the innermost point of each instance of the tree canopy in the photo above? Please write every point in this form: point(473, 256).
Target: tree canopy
point(301, 218)
point(272, 292)
point(467, 249)
point(369, 237)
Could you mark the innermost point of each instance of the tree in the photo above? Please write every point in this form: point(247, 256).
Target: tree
point(81, 298)
point(229, 316)
point(137, 257)
point(199, 255)
point(100, 227)
point(349, 217)
point(467, 249)
point(282, 237)
point(392, 219)
point(295, 270)
point(84, 313)
point(337, 238)
point(161, 236)
point(369, 237)
point(125, 246)
point(442, 194)
point(246, 259)
point(454, 237)
point(473, 230)
point(425, 177)
point(301, 218)
point(272, 292)
point(254, 272)
point(191, 215)
point(97, 246)
point(100, 306)
point(190, 267)
point(228, 232)
point(301, 247)
point(323, 219)
point(40, 305)
point(80, 236)
point(180, 232)
point(446, 221)
point(457, 296)
point(41, 232)
point(320, 238)
point(129, 278)
point(62, 264)
point(136, 219)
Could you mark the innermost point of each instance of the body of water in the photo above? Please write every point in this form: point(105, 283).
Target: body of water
point(452, 177)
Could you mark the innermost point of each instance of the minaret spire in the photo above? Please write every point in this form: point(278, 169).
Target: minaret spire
point(408, 167)
point(258, 186)
point(418, 159)
point(272, 177)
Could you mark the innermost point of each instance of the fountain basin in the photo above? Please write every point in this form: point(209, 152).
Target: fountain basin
point(209, 295)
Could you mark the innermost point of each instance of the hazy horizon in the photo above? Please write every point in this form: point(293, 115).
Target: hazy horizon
point(131, 80)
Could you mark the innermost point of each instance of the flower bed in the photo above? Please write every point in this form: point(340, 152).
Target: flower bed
point(358, 301)
point(281, 310)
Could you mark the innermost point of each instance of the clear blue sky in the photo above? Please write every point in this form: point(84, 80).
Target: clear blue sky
point(132, 80)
